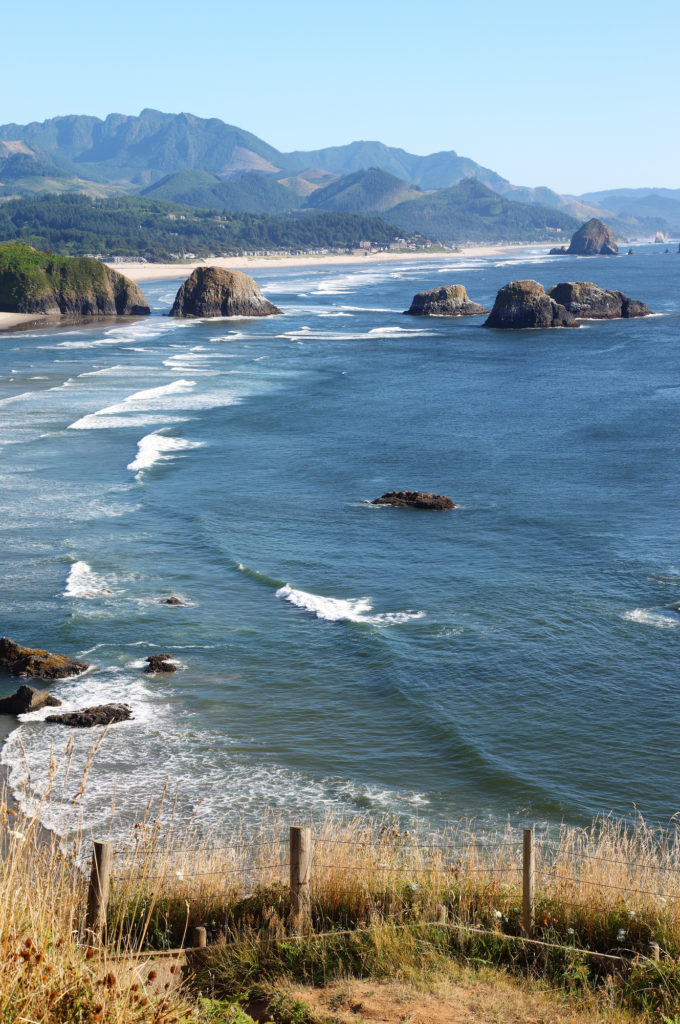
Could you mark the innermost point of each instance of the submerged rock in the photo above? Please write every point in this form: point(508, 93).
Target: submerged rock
point(100, 714)
point(160, 663)
point(414, 499)
point(450, 300)
point(27, 698)
point(41, 282)
point(524, 304)
point(589, 301)
point(593, 238)
point(32, 661)
point(171, 600)
point(212, 291)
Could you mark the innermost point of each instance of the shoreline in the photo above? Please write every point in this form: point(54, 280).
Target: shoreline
point(140, 272)
point(162, 271)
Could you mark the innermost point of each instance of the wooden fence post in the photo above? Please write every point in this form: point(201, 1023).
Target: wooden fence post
point(528, 882)
point(300, 873)
point(199, 937)
point(98, 893)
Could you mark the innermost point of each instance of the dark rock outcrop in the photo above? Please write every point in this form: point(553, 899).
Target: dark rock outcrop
point(171, 600)
point(523, 304)
point(450, 300)
point(41, 282)
point(32, 661)
point(160, 663)
point(27, 698)
point(100, 714)
point(593, 238)
point(211, 291)
point(588, 301)
point(414, 499)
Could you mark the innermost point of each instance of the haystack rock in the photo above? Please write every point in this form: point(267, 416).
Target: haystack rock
point(523, 304)
point(450, 300)
point(414, 499)
point(41, 282)
point(588, 301)
point(32, 661)
point(211, 291)
point(100, 714)
point(593, 238)
point(27, 698)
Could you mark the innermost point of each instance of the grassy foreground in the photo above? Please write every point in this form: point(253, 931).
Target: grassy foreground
point(371, 946)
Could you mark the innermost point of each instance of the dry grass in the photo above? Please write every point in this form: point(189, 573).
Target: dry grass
point(376, 891)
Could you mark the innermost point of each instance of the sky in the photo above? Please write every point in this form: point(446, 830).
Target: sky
point(578, 96)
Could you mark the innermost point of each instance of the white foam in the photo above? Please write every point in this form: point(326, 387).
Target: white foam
point(83, 581)
point(158, 447)
point(333, 609)
point(335, 314)
point(648, 617)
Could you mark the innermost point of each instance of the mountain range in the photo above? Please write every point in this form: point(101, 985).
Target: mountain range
point(209, 164)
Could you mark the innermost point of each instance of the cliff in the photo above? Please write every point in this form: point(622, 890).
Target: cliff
point(41, 282)
point(210, 291)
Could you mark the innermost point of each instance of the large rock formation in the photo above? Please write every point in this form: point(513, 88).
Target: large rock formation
point(593, 238)
point(100, 714)
point(450, 300)
point(27, 698)
point(211, 291)
point(40, 282)
point(588, 301)
point(32, 661)
point(523, 304)
point(414, 499)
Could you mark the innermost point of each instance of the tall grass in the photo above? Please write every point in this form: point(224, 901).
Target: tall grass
point(384, 902)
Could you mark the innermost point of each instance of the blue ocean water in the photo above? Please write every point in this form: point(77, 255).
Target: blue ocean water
point(515, 658)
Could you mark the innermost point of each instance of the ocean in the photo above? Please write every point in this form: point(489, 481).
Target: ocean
point(512, 660)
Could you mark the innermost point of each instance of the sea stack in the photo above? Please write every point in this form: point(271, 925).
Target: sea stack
point(593, 238)
point(588, 301)
point(211, 291)
point(450, 300)
point(41, 282)
point(525, 304)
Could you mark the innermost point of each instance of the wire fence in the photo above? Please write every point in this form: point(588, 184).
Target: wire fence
point(514, 889)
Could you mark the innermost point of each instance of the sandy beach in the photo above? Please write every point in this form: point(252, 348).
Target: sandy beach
point(159, 271)
point(141, 272)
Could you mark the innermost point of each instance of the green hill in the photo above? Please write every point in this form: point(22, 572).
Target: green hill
point(370, 191)
point(247, 193)
point(159, 230)
point(471, 212)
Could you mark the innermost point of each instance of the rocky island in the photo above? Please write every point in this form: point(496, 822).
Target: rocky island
point(588, 301)
point(450, 300)
point(593, 238)
point(46, 284)
point(211, 291)
point(414, 499)
point(525, 304)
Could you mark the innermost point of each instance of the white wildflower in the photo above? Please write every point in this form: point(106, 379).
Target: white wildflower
point(497, 914)
point(570, 931)
point(621, 935)
point(178, 874)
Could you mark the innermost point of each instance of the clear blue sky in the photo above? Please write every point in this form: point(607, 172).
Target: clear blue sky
point(577, 96)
